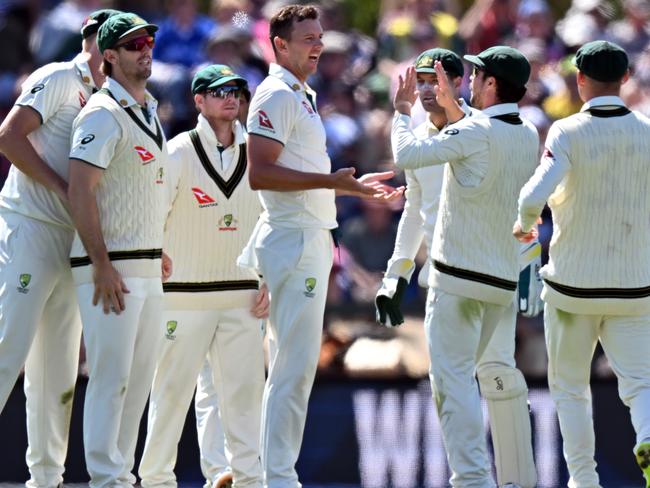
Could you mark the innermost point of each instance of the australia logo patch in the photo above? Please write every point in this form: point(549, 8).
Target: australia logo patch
point(228, 222)
point(310, 285)
point(170, 329)
point(145, 155)
point(264, 121)
point(203, 198)
point(159, 176)
point(24, 279)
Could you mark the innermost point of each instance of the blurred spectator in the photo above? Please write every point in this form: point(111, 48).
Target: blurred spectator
point(181, 37)
point(487, 23)
point(15, 22)
point(534, 23)
point(566, 101)
point(632, 32)
point(56, 36)
point(233, 46)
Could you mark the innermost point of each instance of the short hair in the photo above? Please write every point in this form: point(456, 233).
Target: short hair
point(282, 22)
point(506, 92)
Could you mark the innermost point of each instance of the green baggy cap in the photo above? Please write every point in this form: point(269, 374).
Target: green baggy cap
point(450, 61)
point(119, 26)
point(602, 61)
point(504, 62)
point(214, 76)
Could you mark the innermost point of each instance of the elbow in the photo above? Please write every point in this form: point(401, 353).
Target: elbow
point(254, 180)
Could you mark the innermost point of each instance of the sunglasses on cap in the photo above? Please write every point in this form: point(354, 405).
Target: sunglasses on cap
point(138, 43)
point(225, 92)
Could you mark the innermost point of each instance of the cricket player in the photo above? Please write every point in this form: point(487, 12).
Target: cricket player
point(594, 174)
point(213, 307)
point(291, 246)
point(508, 409)
point(118, 168)
point(39, 316)
point(475, 269)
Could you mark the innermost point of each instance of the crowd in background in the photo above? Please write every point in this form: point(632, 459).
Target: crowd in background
point(357, 75)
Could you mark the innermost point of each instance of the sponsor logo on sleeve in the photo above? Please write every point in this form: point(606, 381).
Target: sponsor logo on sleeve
point(37, 88)
point(145, 155)
point(203, 198)
point(228, 223)
point(88, 139)
point(548, 153)
point(310, 284)
point(451, 132)
point(264, 121)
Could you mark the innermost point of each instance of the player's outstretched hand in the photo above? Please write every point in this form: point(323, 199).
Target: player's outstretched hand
point(525, 237)
point(109, 288)
point(446, 95)
point(406, 94)
point(166, 267)
point(384, 192)
point(260, 308)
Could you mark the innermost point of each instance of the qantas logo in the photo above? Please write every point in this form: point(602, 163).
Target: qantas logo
point(203, 198)
point(145, 155)
point(308, 107)
point(548, 153)
point(82, 99)
point(265, 121)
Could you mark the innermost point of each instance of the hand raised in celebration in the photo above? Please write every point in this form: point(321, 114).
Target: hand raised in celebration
point(406, 93)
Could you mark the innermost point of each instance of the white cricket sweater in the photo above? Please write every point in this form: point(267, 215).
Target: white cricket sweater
point(212, 216)
point(599, 259)
point(473, 252)
point(130, 195)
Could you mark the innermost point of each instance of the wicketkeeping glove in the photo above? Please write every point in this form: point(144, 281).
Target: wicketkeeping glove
point(530, 284)
point(389, 296)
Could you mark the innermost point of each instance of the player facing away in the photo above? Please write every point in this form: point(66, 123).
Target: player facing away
point(291, 246)
point(118, 168)
point(39, 316)
point(475, 267)
point(507, 400)
point(212, 306)
point(594, 175)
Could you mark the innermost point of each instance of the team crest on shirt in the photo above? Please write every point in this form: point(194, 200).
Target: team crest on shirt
point(145, 155)
point(170, 329)
point(82, 99)
point(159, 176)
point(264, 121)
point(228, 222)
point(24, 280)
point(203, 198)
point(310, 284)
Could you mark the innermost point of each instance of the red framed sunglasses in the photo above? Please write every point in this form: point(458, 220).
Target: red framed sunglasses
point(138, 43)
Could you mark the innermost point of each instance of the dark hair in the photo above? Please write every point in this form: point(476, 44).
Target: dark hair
point(106, 68)
point(506, 92)
point(281, 24)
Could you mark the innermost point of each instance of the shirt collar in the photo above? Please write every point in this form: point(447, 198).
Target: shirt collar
point(125, 99)
point(501, 109)
point(84, 70)
point(287, 76)
point(204, 127)
point(602, 101)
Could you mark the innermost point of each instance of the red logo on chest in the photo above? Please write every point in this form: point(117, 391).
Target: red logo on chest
point(145, 155)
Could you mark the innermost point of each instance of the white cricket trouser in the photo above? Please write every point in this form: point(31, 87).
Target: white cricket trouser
point(39, 328)
point(208, 427)
point(296, 265)
point(570, 341)
point(458, 330)
point(500, 349)
point(232, 340)
point(121, 351)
